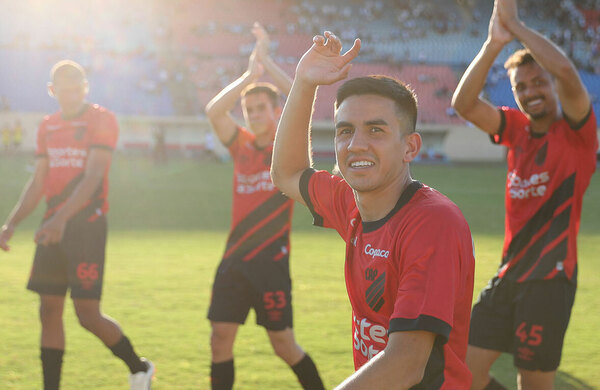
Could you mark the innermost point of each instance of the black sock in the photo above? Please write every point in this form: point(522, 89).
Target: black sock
point(124, 351)
point(307, 374)
point(51, 367)
point(221, 375)
point(494, 385)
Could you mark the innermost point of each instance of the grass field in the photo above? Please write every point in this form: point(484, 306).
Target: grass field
point(168, 226)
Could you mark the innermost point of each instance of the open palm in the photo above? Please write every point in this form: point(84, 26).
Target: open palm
point(323, 63)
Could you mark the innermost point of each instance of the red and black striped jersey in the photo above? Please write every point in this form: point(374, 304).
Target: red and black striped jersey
point(67, 144)
point(261, 214)
point(547, 178)
point(410, 271)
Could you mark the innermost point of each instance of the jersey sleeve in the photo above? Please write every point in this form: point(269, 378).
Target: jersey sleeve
point(105, 131)
point(41, 149)
point(584, 134)
point(436, 253)
point(511, 122)
point(329, 199)
point(240, 137)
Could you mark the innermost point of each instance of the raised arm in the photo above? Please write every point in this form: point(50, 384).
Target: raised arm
point(467, 100)
point(31, 196)
point(572, 94)
point(97, 164)
point(280, 78)
point(322, 64)
point(218, 110)
point(401, 365)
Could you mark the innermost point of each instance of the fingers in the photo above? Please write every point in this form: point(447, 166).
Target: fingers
point(333, 42)
point(353, 52)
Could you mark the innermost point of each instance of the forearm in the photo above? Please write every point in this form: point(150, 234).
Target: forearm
point(473, 80)
point(224, 102)
point(280, 78)
point(291, 153)
point(31, 196)
point(384, 372)
point(545, 52)
point(80, 197)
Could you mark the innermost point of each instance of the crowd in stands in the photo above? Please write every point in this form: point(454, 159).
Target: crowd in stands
point(164, 58)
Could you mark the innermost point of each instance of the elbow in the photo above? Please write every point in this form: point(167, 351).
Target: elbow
point(415, 377)
point(457, 104)
point(209, 110)
point(275, 176)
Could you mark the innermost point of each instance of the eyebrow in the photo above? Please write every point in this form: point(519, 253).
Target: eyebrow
point(372, 122)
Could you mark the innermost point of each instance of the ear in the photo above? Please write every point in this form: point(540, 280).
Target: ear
point(87, 86)
point(278, 110)
point(50, 89)
point(413, 146)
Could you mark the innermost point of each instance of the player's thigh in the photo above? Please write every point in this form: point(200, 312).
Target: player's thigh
point(272, 299)
point(49, 275)
point(492, 317)
point(540, 323)
point(535, 380)
point(480, 360)
point(84, 245)
point(231, 296)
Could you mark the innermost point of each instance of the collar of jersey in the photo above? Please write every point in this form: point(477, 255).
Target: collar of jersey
point(77, 115)
point(406, 196)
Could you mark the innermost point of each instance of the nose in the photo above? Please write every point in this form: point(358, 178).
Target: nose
point(358, 143)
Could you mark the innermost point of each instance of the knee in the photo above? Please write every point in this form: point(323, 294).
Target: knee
point(87, 318)
point(50, 313)
point(285, 348)
point(220, 340)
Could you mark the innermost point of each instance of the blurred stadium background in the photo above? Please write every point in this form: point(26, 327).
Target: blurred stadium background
point(156, 63)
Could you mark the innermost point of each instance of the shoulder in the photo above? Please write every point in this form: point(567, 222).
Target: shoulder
point(99, 111)
point(431, 207)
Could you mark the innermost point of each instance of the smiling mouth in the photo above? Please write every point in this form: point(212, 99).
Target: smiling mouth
point(534, 103)
point(361, 164)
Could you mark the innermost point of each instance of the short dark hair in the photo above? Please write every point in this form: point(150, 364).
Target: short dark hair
point(518, 58)
point(398, 91)
point(267, 88)
point(67, 68)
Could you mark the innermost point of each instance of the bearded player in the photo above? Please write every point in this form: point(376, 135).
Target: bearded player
point(74, 149)
point(552, 143)
point(254, 271)
point(409, 254)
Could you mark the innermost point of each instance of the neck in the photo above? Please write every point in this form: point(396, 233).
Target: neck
point(72, 112)
point(264, 140)
point(376, 204)
point(542, 125)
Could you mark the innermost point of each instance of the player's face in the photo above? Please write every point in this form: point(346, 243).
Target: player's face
point(373, 143)
point(70, 92)
point(260, 115)
point(534, 90)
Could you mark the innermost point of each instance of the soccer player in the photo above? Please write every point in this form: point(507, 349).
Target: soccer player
point(254, 271)
point(74, 148)
point(409, 253)
point(552, 145)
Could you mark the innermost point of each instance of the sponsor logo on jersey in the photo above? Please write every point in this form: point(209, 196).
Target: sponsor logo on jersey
point(533, 186)
point(249, 184)
point(376, 252)
point(67, 157)
point(366, 335)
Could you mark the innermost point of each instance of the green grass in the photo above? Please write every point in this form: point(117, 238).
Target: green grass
point(168, 226)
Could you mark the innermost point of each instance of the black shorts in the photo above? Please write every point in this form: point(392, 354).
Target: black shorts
point(526, 319)
point(77, 262)
point(262, 284)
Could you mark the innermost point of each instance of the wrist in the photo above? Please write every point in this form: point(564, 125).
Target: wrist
point(494, 45)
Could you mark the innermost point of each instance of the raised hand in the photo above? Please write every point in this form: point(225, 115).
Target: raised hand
point(497, 32)
point(263, 41)
point(507, 12)
point(323, 63)
point(6, 233)
point(255, 67)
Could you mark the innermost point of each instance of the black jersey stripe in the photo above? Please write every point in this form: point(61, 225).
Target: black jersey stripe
point(258, 214)
point(273, 249)
point(549, 261)
point(261, 235)
point(558, 226)
point(546, 212)
point(66, 192)
point(375, 290)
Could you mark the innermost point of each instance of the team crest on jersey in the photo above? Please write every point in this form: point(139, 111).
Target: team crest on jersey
point(374, 294)
point(79, 132)
point(540, 157)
